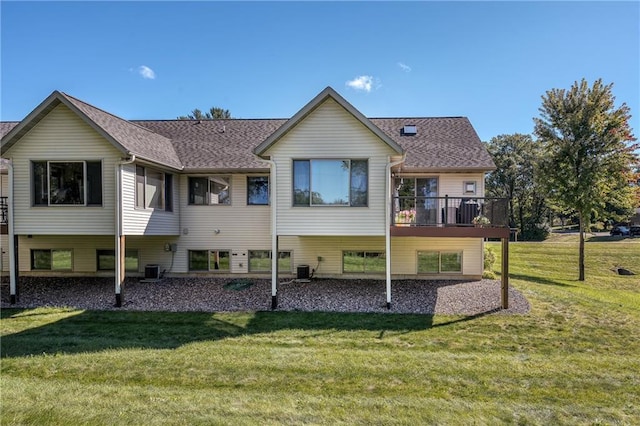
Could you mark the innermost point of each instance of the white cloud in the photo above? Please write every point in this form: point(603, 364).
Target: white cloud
point(362, 82)
point(405, 67)
point(146, 72)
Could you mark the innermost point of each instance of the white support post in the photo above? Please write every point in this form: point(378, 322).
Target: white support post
point(13, 242)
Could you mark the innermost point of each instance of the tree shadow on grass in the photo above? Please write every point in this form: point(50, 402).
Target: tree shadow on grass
point(538, 280)
point(95, 331)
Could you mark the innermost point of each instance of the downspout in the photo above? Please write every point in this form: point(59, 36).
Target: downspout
point(13, 273)
point(387, 222)
point(274, 233)
point(118, 230)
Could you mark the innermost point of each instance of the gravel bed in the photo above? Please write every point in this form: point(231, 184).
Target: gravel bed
point(211, 295)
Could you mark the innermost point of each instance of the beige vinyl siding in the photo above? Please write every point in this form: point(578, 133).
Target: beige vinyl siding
point(137, 221)
point(306, 249)
point(452, 184)
point(150, 251)
point(404, 253)
point(241, 227)
point(62, 136)
point(4, 185)
point(330, 132)
point(4, 252)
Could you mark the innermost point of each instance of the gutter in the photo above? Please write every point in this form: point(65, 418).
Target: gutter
point(387, 222)
point(118, 225)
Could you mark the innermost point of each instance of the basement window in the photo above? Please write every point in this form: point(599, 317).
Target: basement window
point(367, 262)
point(439, 262)
point(51, 260)
point(106, 260)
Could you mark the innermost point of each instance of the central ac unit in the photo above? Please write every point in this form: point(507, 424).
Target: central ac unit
point(152, 272)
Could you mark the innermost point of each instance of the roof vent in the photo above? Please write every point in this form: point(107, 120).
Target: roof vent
point(409, 130)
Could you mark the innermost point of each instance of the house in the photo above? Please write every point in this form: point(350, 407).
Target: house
point(329, 191)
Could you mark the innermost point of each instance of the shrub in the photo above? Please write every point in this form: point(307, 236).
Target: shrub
point(489, 259)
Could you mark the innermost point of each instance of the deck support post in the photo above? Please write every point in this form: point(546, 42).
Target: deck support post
point(505, 274)
point(14, 295)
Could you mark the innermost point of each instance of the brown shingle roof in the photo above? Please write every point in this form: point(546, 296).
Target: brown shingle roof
point(124, 135)
point(135, 139)
point(6, 126)
point(216, 144)
point(440, 144)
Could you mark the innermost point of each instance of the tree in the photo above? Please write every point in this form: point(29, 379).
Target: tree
point(214, 113)
point(517, 177)
point(588, 148)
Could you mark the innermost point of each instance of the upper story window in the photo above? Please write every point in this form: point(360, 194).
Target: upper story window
point(330, 182)
point(65, 183)
point(154, 189)
point(210, 190)
point(258, 190)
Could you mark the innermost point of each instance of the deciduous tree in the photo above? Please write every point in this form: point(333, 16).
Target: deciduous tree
point(213, 114)
point(516, 177)
point(588, 148)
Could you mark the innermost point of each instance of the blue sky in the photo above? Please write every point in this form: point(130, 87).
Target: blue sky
point(489, 61)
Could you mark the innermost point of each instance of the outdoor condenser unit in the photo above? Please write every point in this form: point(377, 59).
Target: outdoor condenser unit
point(303, 272)
point(152, 272)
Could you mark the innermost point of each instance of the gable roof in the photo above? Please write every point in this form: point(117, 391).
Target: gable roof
point(225, 145)
point(124, 135)
point(310, 107)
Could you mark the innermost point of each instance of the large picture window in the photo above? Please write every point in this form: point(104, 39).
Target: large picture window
point(257, 190)
point(209, 260)
point(330, 182)
point(436, 262)
point(66, 183)
point(210, 190)
point(51, 260)
point(154, 189)
point(363, 262)
point(106, 260)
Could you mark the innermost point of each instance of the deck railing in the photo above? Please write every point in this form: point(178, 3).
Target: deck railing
point(4, 211)
point(450, 211)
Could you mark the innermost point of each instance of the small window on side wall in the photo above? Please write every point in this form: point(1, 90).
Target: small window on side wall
point(258, 190)
point(469, 188)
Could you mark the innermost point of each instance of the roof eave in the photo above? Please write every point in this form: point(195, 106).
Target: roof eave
point(42, 110)
point(446, 169)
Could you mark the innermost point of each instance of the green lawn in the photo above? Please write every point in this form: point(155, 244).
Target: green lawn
point(573, 360)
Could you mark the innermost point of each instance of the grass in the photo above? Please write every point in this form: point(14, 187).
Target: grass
point(572, 360)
